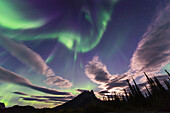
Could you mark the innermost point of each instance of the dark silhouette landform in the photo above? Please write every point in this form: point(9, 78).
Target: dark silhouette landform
point(155, 99)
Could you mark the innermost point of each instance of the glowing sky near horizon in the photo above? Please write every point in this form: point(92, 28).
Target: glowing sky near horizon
point(67, 34)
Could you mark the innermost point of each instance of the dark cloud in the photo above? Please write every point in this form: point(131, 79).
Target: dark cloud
point(103, 92)
point(142, 85)
point(162, 77)
point(20, 93)
point(118, 77)
point(114, 84)
point(34, 99)
point(60, 100)
point(102, 76)
point(97, 71)
point(8, 76)
point(54, 97)
point(46, 99)
point(46, 90)
point(81, 90)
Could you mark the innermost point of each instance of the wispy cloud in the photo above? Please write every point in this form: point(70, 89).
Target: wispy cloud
point(26, 56)
point(58, 81)
point(34, 60)
point(8, 76)
point(151, 55)
point(153, 52)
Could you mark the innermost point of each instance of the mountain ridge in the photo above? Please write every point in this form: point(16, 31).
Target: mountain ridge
point(82, 100)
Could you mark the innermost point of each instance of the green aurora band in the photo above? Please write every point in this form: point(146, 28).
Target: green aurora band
point(12, 18)
point(15, 25)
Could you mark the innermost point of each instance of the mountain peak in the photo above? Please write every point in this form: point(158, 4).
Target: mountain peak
point(81, 100)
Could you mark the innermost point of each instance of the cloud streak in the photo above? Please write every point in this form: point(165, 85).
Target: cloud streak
point(11, 77)
point(34, 99)
point(34, 60)
point(46, 99)
point(50, 100)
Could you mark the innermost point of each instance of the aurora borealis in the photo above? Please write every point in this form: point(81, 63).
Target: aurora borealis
point(78, 27)
point(51, 50)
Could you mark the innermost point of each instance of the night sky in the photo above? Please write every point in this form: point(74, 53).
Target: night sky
point(51, 50)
